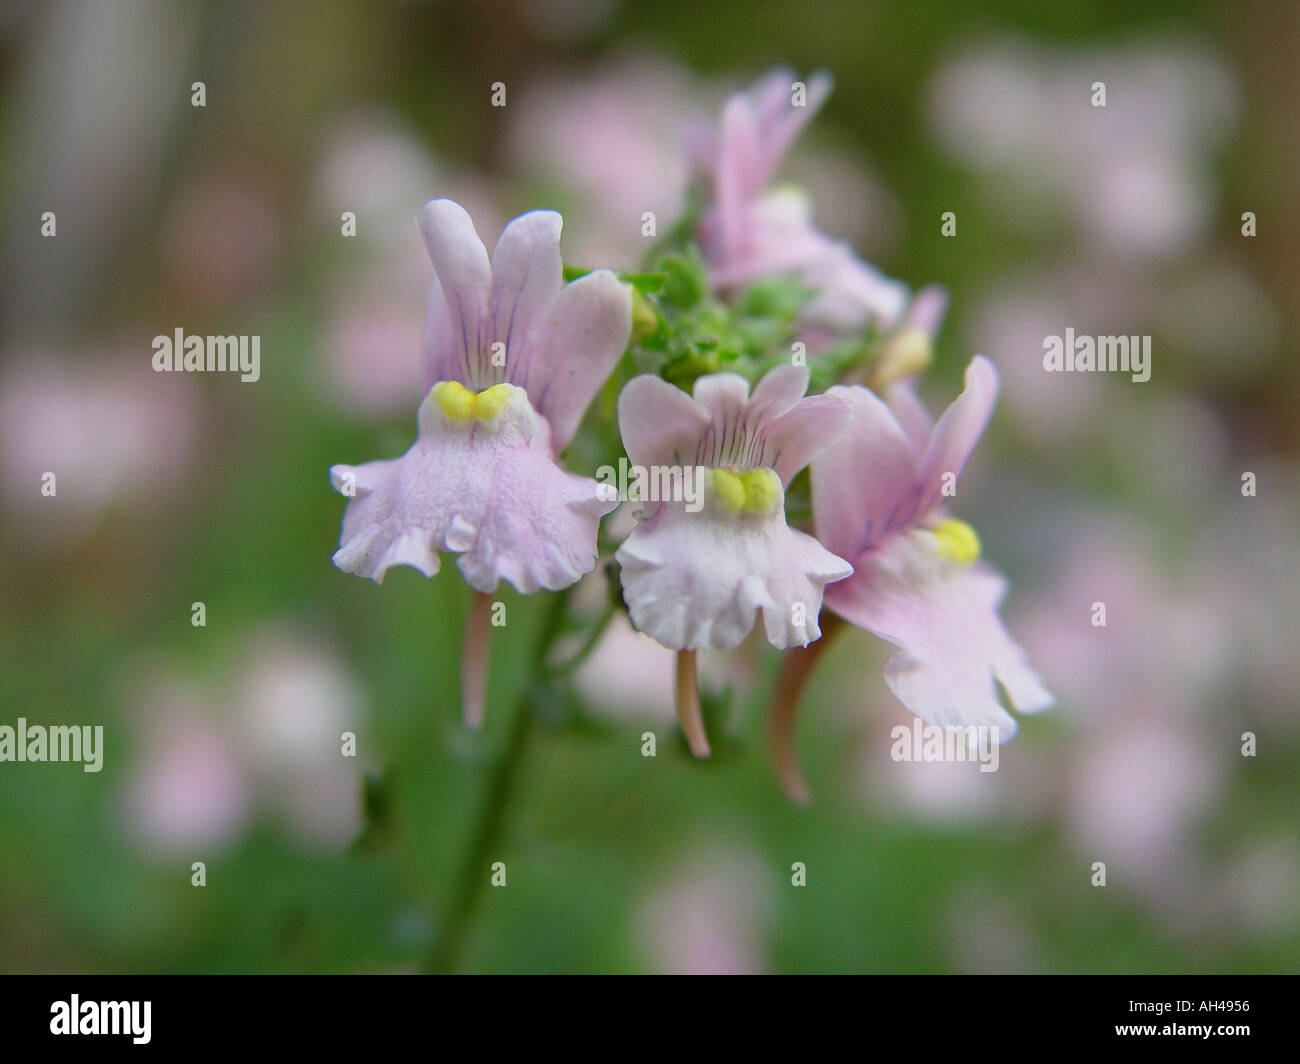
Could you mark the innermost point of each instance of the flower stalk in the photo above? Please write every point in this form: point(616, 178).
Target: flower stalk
point(783, 713)
point(686, 688)
point(474, 660)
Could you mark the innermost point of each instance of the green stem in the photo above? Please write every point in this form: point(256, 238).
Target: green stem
point(446, 949)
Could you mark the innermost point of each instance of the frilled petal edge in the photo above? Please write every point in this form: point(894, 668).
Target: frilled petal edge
point(943, 617)
point(488, 490)
point(695, 583)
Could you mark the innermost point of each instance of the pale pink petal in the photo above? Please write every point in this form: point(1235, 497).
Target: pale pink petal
point(863, 487)
point(958, 430)
point(776, 120)
point(559, 342)
point(758, 127)
point(724, 396)
point(851, 295)
point(738, 175)
point(724, 426)
point(773, 234)
point(660, 424)
point(927, 309)
point(943, 617)
point(540, 534)
point(465, 279)
point(779, 121)
point(493, 493)
point(526, 277)
point(776, 394)
point(795, 438)
point(749, 233)
point(910, 412)
point(774, 428)
point(576, 341)
point(694, 582)
point(444, 357)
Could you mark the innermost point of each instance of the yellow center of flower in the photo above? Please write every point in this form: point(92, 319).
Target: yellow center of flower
point(460, 404)
point(957, 541)
point(754, 491)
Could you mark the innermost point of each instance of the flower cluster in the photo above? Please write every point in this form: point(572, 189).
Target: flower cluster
point(716, 345)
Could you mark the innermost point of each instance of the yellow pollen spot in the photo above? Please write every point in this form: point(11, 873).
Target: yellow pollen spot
point(456, 400)
point(491, 401)
point(729, 488)
point(753, 491)
point(462, 405)
point(762, 490)
point(957, 541)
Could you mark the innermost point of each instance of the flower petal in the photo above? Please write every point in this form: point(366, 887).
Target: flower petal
point(442, 346)
point(776, 120)
point(777, 392)
point(723, 395)
point(728, 439)
point(910, 412)
point(851, 294)
point(958, 430)
point(927, 309)
point(464, 281)
point(874, 482)
point(863, 487)
point(944, 619)
point(792, 440)
point(738, 177)
point(695, 583)
point(526, 277)
point(660, 424)
point(576, 342)
point(758, 127)
point(491, 491)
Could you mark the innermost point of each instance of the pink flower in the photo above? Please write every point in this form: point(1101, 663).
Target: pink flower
point(512, 357)
point(752, 231)
point(916, 579)
point(695, 580)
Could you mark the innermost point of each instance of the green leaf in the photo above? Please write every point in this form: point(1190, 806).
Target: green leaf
point(686, 281)
point(648, 283)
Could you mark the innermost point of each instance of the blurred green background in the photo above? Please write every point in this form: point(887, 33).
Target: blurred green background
point(222, 741)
